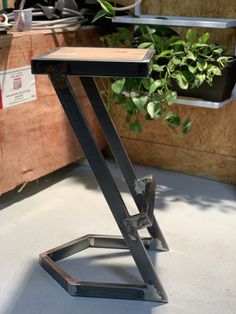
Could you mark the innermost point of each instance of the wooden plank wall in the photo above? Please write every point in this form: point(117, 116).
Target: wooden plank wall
point(35, 137)
point(210, 148)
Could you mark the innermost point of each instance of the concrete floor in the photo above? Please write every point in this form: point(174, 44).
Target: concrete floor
point(197, 217)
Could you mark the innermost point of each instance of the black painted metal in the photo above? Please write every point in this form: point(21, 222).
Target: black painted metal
point(108, 186)
point(142, 190)
point(43, 65)
point(95, 289)
point(120, 154)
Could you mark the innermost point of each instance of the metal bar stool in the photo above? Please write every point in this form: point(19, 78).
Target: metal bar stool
point(105, 62)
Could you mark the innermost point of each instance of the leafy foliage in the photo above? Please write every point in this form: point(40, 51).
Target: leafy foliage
point(187, 62)
point(107, 10)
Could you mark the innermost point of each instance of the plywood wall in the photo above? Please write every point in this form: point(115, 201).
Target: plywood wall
point(210, 148)
point(198, 8)
point(210, 8)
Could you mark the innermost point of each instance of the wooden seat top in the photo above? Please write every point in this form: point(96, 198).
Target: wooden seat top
point(94, 61)
point(98, 54)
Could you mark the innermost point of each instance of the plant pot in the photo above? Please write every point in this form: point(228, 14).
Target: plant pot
point(220, 90)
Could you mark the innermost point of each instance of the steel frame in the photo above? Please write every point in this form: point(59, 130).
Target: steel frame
point(142, 191)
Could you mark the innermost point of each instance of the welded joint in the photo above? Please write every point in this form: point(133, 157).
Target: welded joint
point(138, 221)
point(139, 186)
point(151, 293)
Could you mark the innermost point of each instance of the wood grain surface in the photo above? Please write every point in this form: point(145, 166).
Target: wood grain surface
point(98, 54)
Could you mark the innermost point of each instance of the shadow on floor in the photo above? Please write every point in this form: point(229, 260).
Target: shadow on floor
point(101, 266)
point(36, 186)
point(171, 187)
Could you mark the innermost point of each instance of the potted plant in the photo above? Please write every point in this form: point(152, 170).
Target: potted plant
point(184, 66)
point(199, 69)
point(179, 64)
point(218, 89)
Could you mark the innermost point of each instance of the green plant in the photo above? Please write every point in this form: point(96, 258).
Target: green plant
point(109, 8)
point(187, 62)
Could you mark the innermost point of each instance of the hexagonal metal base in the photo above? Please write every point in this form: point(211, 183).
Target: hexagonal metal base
point(96, 289)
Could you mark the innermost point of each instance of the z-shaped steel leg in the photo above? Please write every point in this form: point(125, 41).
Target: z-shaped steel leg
point(144, 197)
point(121, 157)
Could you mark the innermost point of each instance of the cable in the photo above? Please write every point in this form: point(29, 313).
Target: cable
point(69, 18)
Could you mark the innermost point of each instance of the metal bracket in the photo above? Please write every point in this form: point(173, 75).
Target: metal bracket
point(147, 188)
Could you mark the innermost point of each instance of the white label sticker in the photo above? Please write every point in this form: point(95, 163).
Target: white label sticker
point(17, 86)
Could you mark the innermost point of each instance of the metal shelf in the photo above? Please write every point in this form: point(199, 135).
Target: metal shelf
point(184, 21)
point(205, 103)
